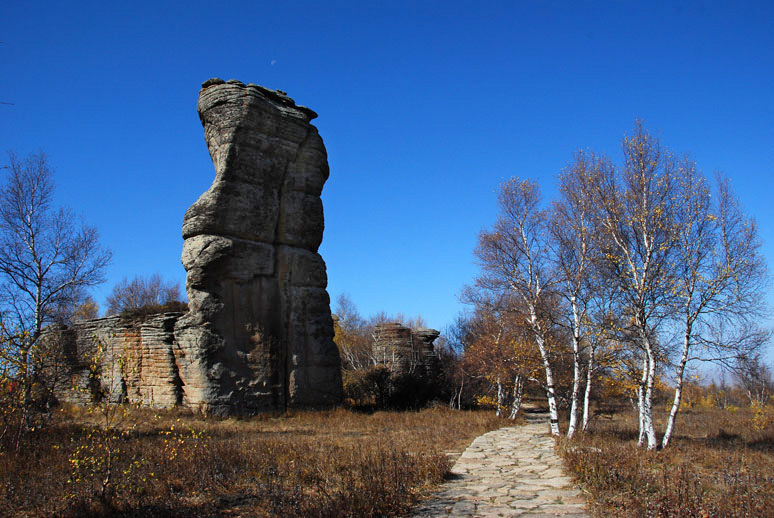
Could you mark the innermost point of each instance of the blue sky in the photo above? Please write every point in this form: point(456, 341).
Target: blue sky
point(424, 108)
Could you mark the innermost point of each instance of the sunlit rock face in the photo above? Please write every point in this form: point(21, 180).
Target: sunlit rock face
point(122, 358)
point(258, 335)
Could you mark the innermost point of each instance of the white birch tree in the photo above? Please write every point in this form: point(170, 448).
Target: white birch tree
point(574, 238)
point(720, 281)
point(515, 256)
point(638, 219)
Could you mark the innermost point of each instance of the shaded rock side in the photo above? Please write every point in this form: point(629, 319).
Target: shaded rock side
point(259, 333)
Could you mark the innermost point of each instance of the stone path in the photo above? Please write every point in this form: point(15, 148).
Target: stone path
point(508, 472)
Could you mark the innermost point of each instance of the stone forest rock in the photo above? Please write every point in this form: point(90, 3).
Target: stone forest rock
point(134, 358)
point(258, 335)
point(412, 363)
point(259, 331)
point(405, 350)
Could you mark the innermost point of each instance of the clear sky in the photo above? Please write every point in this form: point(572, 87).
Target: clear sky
point(424, 108)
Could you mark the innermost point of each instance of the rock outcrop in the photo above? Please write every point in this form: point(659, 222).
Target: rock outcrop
point(407, 351)
point(118, 358)
point(259, 332)
point(258, 335)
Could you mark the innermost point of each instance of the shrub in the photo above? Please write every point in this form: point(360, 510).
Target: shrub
point(378, 388)
point(174, 306)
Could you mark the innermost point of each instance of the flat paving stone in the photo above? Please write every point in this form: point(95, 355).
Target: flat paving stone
point(510, 472)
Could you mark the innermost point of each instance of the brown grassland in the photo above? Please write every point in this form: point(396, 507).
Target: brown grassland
point(337, 463)
point(720, 464)
point(342, 463)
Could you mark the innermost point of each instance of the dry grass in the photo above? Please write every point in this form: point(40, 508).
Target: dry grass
point(721, 463)
point(313, 464)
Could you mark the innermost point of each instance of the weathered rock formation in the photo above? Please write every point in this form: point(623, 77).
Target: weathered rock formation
point(119, 358)
point(259, 332)
point(407, 351)
point(258, 335)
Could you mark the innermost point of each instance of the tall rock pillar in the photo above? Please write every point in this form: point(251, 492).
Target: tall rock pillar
point(259, 333)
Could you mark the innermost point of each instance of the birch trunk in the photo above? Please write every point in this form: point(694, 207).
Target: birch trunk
point(459, 396)
point(587, 392)
point(576, 370)
point(498, 412)
point(641, 401)
point(518, 393)
point(647, 418)
point(550, 392)
point(678, 390)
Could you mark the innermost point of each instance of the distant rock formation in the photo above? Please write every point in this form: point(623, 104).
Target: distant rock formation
point(258, 335)
point(259, 332)
point(407, 351)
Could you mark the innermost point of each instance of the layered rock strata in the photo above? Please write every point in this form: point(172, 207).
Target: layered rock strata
point(259, 332)
point(407, 351)
point(258, 335)
point(118, 359)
